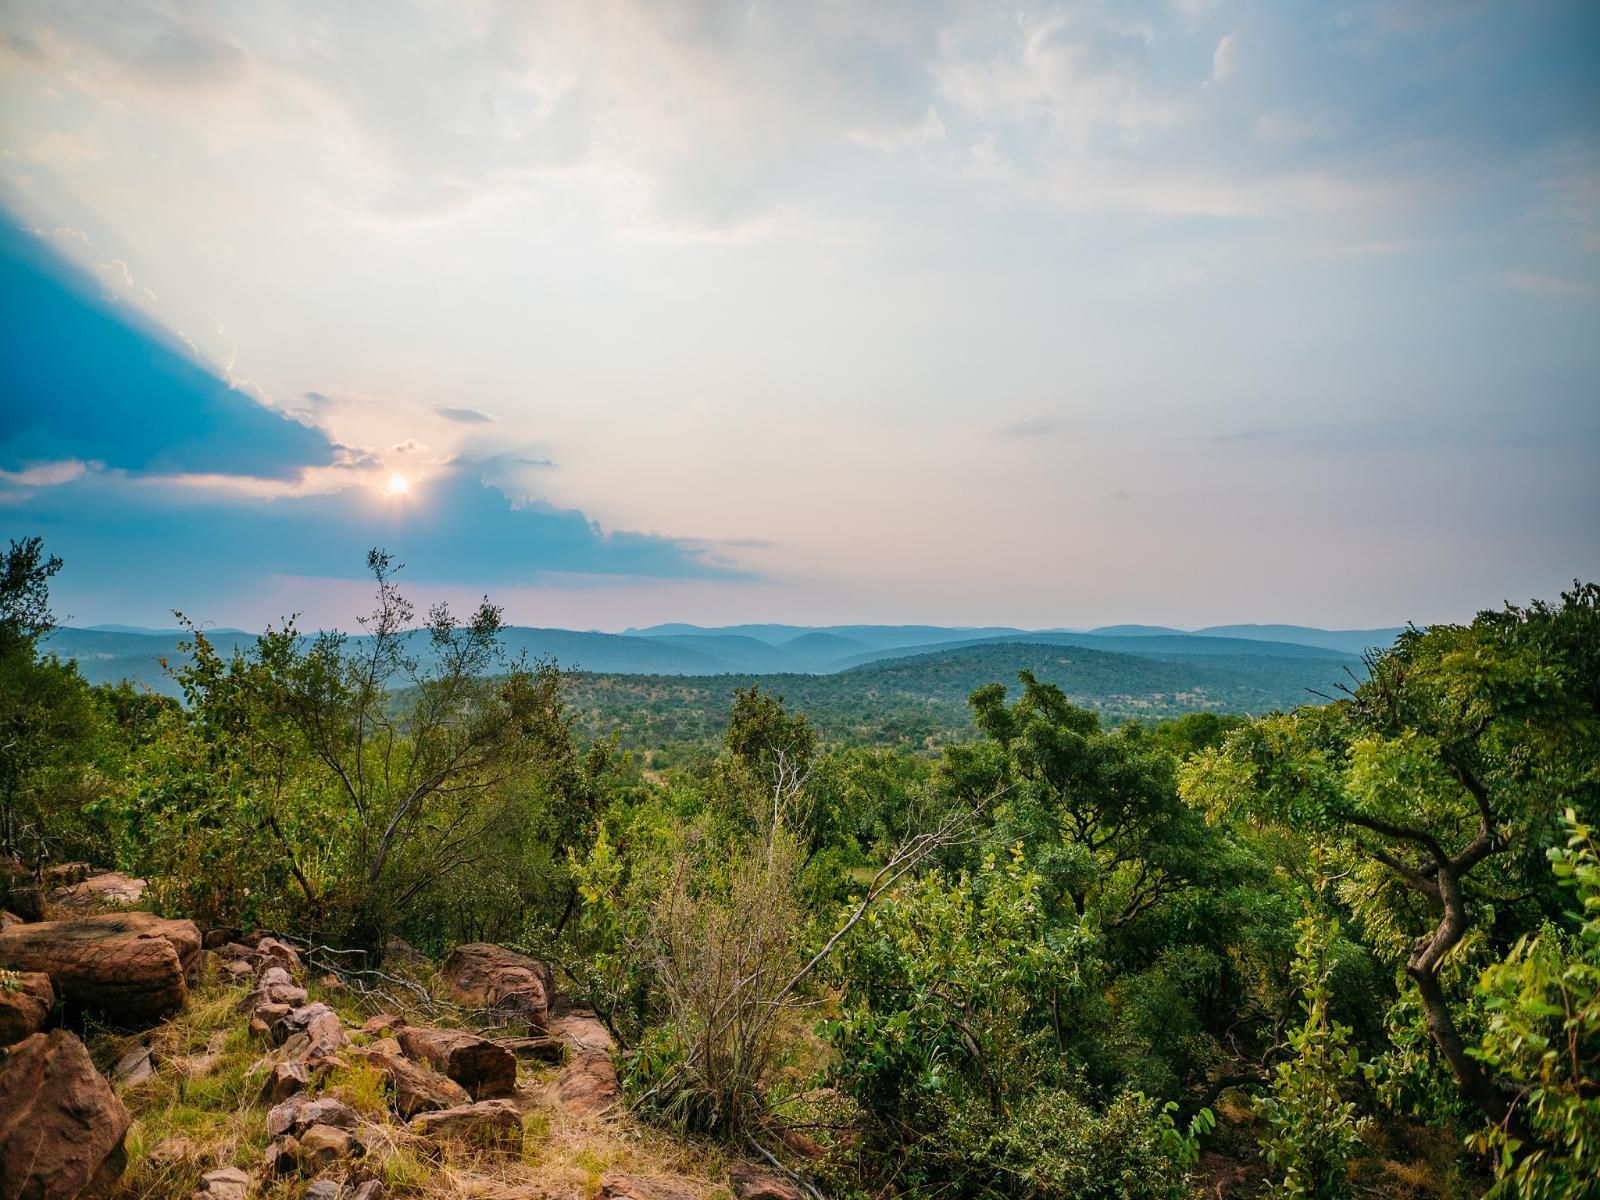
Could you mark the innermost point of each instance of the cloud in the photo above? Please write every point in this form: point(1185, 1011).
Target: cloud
point(462, 416)
point(86, 378)
point(1224, 59)
point(149, 539)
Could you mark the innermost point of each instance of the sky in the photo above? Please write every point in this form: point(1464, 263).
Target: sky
point(625, 312)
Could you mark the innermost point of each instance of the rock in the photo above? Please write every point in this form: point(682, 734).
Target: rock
point(26, 999)
point(67, 873)
point(752, 1183)
point(273, 987)
point(477, 1064)
point(238, 951)
point(132, 968)
point(382, 1024)
point(284, 1080)
point(487, 1123)
point(507, 984)
point(282, 1158)
point(9, 918)
point(300, 1112)
point(260, 1030)
point(414, 1088)
point(322, 1146)
point(237, 970)
point(372, 1189)
point(216, 939)
point(134, 1067)
point(225, 1183)
point(324, 1189)
point(538, 1049)
point(61, 1126)
point(320, 1027)
point(588, 1085)
point(583, 1031)
point(384, 1046)
point(631, 1187)
point(105, 891)
point(270, 951)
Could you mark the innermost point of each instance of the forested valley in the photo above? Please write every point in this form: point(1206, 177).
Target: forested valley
point(1346, 949)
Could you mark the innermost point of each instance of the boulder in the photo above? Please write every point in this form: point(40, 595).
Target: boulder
point(301, 1112)
point(26, 999)
point(324, 1146)
point(752, 1183)
point(631, 1187)
point(588, 1084)
point(286, 1079)
point(282, 1157)
point(225, 1183)
point(61, 1126)
point(501, 981)
point(131, 968)
point(105, 891)
point(582, 1031)
point(414, 1088)
point(381, 1024)
point(66, 874)
point(270, 951)
point(273, 986)
point(311, 1031)
point(477, 1064)
point(324, 1189)
point(536, 1049)
point(488, 1123)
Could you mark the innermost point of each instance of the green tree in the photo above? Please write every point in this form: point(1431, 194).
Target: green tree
point(1438, 779)
point(1543, 1036)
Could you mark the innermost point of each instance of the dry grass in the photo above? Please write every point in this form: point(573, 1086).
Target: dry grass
point(201, 1110)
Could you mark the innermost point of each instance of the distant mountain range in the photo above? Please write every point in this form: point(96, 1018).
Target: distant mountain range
point(110, 653)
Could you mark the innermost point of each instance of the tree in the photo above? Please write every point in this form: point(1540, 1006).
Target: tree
point(1098, 812)
point(49, 721)
point(382, 768)
point(1544, 1037)
point(1439, 778)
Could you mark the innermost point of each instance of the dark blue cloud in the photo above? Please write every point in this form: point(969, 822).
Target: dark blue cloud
point(177, 547)
point(83, 377)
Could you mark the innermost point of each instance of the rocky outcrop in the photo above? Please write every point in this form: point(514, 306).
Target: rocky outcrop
point(130, 968)
point(61, 1126)
point(26, 999)
point(488, 1123)
point(225, 1183)
point(413, 1088)
point(631, 1187)
point(310, 1031)
point(507, 984)
point(324, 1146)
point(286, 1079)
point(587, 1084)
point(106, 891)
point(299, 1113)
point(752, 1183)
point(477, 1064)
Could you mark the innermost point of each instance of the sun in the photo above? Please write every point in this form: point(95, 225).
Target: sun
point(398, 485)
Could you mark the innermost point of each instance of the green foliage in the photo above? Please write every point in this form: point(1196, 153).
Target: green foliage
point(1313, 1126)
point(1544, 1036)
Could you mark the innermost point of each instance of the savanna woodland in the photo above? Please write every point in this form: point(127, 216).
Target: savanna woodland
point(1347, 950)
